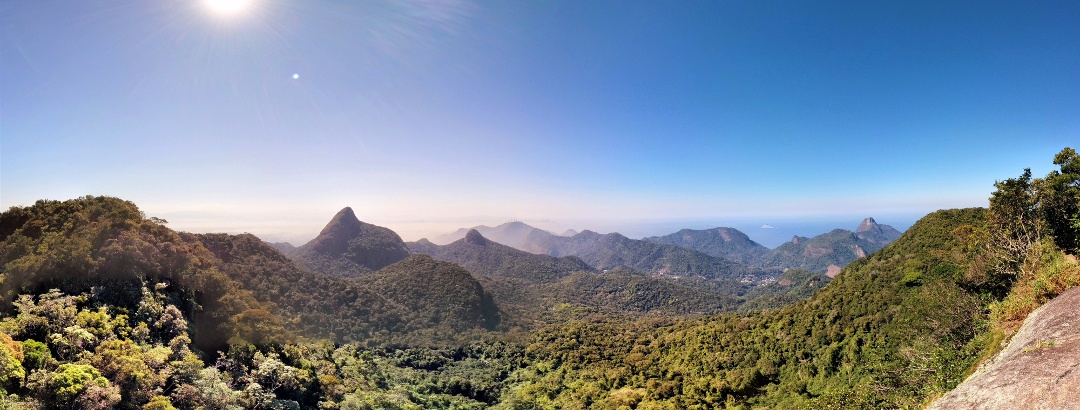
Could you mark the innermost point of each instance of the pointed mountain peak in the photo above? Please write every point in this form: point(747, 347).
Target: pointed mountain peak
point(474, 237)
point(343, 223)
point(868, 224)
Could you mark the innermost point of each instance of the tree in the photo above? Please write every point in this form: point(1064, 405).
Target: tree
point(1059, 200)
point(1014, 221)
point(11, 357)
point(74, 386)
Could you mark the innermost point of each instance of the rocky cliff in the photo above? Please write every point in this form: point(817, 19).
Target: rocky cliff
point(1039, 369)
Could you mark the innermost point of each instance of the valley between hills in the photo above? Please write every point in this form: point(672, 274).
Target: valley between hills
point(102, 306)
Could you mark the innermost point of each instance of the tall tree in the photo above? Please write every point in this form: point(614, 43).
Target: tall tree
point(1060, 200)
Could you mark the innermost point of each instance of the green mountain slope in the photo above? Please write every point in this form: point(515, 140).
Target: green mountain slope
point(440, 294)
point(396, 304)
point(621, 291)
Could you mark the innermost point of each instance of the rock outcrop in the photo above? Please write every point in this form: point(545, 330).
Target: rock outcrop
point(1039, 369)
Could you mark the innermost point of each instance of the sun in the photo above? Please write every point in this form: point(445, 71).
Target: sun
point(227, 6)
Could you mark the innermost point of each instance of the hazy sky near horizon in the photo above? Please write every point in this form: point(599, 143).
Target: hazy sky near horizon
point(429, 115)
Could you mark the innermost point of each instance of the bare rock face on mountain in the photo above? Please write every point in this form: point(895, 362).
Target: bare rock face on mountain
point(1040, 368)
point(347, 247)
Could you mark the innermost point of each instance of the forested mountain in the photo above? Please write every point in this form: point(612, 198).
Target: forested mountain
point(727, 243)
point(444, 294)
point(893, 330)
point(349, 248)
point(828, 252)
point(225, 282)
point(485, 257)
point(890, 330)
point(102, 307)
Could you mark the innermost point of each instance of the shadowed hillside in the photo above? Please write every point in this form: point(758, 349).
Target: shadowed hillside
point(349, 248)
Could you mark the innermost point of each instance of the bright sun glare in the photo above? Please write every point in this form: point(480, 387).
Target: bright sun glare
point(227, 6)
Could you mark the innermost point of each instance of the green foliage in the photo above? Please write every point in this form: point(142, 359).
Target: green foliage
point(620, 291)
point(36, 354)
point(11, 367)
point(1053, 273)
point(159, 403)
point(793, 286)
point(74, 385)
point(437, 294)
point(105, 245)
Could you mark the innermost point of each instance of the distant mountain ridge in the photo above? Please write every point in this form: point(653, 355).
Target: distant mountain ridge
point(528, 286)
point(607, 251)
point(727, 243)
point(486, 257)
point(731, 248)
point(828, 252)
point(825, 253)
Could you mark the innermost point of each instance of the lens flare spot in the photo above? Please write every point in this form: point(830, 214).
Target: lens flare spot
point(228, 6)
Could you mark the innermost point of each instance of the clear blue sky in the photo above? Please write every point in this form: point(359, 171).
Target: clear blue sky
point(430, 115)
